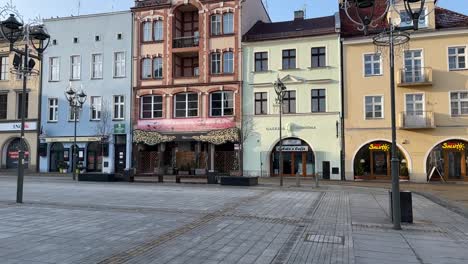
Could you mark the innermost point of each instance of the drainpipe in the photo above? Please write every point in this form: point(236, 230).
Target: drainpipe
point(130, 153)
point(39, 115)
point(343, 146)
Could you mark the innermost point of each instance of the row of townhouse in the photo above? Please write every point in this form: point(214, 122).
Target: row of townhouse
point(187, 85)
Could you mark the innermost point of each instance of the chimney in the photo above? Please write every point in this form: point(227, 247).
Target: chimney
point(299, 15)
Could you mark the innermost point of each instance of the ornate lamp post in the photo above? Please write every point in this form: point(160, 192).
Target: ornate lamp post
point(280, 90)
point(76, 100)
point(15, 31)
point(367, 14)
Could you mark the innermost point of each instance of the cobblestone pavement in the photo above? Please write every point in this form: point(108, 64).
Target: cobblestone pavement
point(68, 222)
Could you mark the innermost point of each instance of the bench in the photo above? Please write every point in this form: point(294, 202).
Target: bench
point(239, 181)
point(178, 177)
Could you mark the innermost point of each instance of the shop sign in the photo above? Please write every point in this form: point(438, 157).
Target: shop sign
point(454, 146)
point(292, 142)
point(71, 139)
point(380, 146)
point(17, 126)
point(293, 148)
point(119, 128)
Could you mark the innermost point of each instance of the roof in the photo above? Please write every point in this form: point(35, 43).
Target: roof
point(291, 29)
point(445, 19)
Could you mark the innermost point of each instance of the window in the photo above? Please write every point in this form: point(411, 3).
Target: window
point(151, 106)
point(459, 103)
point(54, 69)
point(186, 105)
point(119, 64)
point(97, 38)
point(158, 68)
point(228, 62)
point(96, 66)
point(372, 64)
point(319, 100)
point(215, 63)
point(19, 102)
point(406, 20)
point(216, 25)
point(457, 58)
point(261, 103)
point(289, 102)
point(222, 104)
point(261, 61)
point(228, 23)
point(119, 104)
point(72, 114)
point(53, 110)
point(75, 40)
point(158, 30)
point(119, 36)
point(374, 107)
point(146, 69)
point(147, 31)
point(289, 59)
point(3, 106)
point(75, 67)
point(96, 105)
point(4, 68)
point(54, 42)
point(319, 57)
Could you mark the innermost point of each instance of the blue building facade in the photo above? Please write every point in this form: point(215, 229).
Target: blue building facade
point(90, 53)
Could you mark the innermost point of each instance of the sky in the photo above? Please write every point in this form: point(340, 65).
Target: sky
point(277, 9)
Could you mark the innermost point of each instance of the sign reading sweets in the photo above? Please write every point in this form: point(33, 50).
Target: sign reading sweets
point(454, 146)
point(380, 146)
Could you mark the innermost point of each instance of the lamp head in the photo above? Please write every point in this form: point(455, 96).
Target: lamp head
point(82, 97)
point(12, 24)
point(365, 3)
point(39, 33)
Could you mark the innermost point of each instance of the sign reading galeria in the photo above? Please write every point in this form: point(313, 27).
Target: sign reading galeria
point(16, 126)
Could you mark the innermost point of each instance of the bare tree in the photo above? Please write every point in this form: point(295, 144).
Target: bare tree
point(247, 130)
point(104, 126)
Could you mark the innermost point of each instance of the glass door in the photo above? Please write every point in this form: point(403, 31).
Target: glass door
point(454, 165)
point(413, 66)
point(415, 115)
point(379, 163)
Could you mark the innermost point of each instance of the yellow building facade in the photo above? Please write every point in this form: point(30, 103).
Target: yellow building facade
point(11, 87)
point(431, 103)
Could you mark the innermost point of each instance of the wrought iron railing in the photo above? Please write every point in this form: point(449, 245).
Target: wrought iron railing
point(417, 120)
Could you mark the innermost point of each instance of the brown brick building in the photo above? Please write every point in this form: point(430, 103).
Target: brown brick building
point(187, 82)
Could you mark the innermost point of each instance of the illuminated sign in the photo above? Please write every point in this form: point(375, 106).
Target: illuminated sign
point(380, 146)
point(454, 145)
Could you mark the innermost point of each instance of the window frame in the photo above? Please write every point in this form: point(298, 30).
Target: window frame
point(155, 27)
point(457, 57)
point(118, 104)
point(150, 76)
point(219, 22)
point(224, 63)
point(143, 31)
point(187, 109)
point(261, 100)
point(152, 96)
point(153, 70)
point(6, 107)
point(220, 64)
point(93, 63)
point(382, 104)
point(123, 63)
point(261, 60)
point(318, 55)
point(364, 63)
point(289, 57)
point(51, 69)
point(223, 99)
point(459, 100)
point(18, 105)
point(53, 108)
point(404, 24)
point(71, 112)
point(93, 110)
point(4, 72)
point(232, 23)
point(318, 98)
point(289, 99)
point(72, 65)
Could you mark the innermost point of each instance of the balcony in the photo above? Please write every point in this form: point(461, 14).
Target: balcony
point(416, 120)
point(186, 42)
point(409, 77)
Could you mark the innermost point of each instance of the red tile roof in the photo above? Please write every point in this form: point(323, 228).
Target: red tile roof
point(449, 19)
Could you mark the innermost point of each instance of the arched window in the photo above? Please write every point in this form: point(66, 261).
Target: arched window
point(216, 26)
point(228, 23)
point(228, 62)
point(158, 30)
point(158, 68)
point(146, 68)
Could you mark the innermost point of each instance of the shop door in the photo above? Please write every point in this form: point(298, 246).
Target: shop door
point(413, 66)
point(454, 165)
point(415, 116)
point(380, 164)
point(13, 155)
point(120, 157)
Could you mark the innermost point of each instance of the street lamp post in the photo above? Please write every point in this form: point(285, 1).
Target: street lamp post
point(280, 90)
point(14, 30)
point(366, 17)
point(76, 101)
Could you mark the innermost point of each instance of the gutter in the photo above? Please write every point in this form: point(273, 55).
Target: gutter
point(39, 115)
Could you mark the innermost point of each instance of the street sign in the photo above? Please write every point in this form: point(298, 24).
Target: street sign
point(119, 128)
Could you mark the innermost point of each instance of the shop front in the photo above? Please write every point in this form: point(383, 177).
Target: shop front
point(298, 158)
point(11, 144)
point(373, 162)
point(448, 161)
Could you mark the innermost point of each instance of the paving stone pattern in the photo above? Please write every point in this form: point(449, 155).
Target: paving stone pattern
point(67, 222)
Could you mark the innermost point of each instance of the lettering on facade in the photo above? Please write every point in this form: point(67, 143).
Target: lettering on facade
point(380, 146)
point(293, 148)
point(454, 146)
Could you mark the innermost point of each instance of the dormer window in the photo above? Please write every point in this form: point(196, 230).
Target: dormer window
point(406, 20)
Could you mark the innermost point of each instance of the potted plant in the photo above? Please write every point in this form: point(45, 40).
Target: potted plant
point(80, 168)
point(63, 167)
point(360, 170)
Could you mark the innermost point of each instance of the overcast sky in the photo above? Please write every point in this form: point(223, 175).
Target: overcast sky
point(277, 8)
